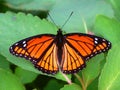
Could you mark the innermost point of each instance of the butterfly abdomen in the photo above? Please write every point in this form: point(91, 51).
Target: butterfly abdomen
point(59, 40)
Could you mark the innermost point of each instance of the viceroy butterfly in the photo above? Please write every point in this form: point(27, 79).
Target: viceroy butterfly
point(67, 53)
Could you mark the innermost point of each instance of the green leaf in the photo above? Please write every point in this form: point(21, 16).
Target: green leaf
point(81, 10)
point(16, 2)
point(53, 85)
point(92, 69)
point(15, 27)
point(4, 63)
point(116, 7)
point(93, 85)
point(25, 75)
point(8, 81)
point(30, 4)
point(107, 27)
point(72, 86)
point(110, 76)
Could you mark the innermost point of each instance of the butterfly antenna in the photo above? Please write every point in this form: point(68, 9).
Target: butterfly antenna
point(67, 20)
point(52, 19)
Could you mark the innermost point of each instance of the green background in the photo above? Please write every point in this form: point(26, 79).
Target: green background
point(20, 19)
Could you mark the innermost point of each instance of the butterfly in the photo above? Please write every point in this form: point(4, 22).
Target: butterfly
point(67, 53)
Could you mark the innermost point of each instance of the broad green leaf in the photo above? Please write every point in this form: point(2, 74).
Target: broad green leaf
point(108, 28)
point(4, 63)
point(92, 69)
point(82, 9)
point(15, 27)
point(93, 85)
point(72, 86)
point(25, 75)
point(116, 7)
point(110, 76)
point(30, 4)
point(8, 81)
point(53, 85)
point(17, 2)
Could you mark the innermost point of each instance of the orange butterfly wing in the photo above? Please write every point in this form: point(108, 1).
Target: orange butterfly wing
point(81, 47)
point(40, 50)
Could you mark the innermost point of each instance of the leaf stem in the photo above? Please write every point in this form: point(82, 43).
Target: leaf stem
point(67, 79)
point(81, 81)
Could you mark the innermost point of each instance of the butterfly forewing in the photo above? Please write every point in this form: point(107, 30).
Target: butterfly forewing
point(87, 45)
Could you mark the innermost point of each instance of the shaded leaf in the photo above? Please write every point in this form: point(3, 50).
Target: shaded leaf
point(92, 69)
point(30, 4)
point(25, 75)
point(4, 63)
point(53, 85)
point(93, 85)
point(8, 81)
point(72, 86)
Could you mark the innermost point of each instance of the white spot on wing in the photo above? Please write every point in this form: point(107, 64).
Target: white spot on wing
point(103, 39)
point(91, 55)
point(16, 44)
point(24, 42)
point(87, 58)
point(24, 45)
point(95, 52)
point(96, 39)
point(104, 50)
point(100, 51)
point(11, 48)
point(109, 43)
point(96, 42)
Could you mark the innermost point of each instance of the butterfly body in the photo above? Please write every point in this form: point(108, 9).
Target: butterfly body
point(59, 40)
point(67, 53)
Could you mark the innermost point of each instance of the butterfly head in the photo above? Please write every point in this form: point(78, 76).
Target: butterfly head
point(59, 31)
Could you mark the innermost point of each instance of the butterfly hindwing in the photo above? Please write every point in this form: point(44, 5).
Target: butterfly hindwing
point(49, 63)
point(71, 62)
point(36, 49)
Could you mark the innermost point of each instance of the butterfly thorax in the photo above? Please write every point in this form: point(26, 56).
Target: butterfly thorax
point(59, 43)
